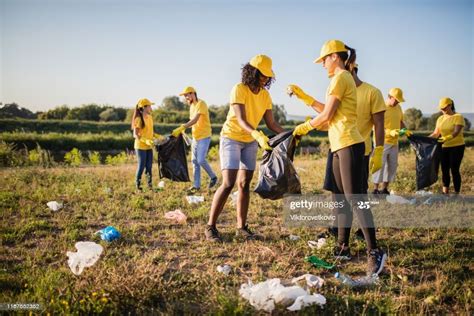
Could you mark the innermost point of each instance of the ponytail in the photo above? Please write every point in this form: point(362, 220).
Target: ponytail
point(452, 107)
point(349, 58)
point(138, 113)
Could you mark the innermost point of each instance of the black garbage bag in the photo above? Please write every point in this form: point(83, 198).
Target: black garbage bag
point(172, 159)
point(428, 157)
point(277, 175)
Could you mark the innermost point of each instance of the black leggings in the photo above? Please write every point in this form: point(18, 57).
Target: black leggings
point(349, 174)
point(451, 158)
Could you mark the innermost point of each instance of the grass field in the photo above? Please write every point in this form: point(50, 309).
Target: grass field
point(157, 267)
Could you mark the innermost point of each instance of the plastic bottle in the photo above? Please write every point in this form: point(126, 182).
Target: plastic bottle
point(360, 282)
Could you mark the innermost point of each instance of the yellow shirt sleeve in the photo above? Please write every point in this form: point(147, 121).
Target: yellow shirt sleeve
point(378, 103)
point(337, 88)
point(238, 95)
point(200, 108)
point(459, 120)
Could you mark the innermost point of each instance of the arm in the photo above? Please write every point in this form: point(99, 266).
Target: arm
point(378, 119)
point(435, 133)
point(271, 123)
point(193, 121)
point(402, 125)
point(457, 129)
point(326, 115)
point(317, 106)
point(239, 111)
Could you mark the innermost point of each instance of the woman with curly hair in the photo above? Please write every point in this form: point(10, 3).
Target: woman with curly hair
point(250, 101)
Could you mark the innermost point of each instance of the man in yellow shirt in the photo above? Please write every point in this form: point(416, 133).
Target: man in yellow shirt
point(393, 122)
point(201, 132)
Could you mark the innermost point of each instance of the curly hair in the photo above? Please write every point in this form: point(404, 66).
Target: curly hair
point(251, 77)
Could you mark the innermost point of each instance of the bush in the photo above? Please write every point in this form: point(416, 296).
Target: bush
point(118, 159)
point(94, 158)
point(9, 157)
point(40, 157)
point(74, 157)
point(213, 153)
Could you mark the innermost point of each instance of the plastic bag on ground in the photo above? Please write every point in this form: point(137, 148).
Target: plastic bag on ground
point(317, 244)
point(396, 199)
point(265, 295)
point(359, 282)
point(311, 280)
point(87, 254)
point(277, 175)
point(177, 216)
point(109, 233)
point(225, 269)
point(307, 300)
point(54, 206)
point(172, 162)
point(194, 199)
point(294, 237)
point(428, 157)
point(233, 198)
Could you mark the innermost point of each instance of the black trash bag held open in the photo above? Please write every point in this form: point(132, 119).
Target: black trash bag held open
point(172, 159)
point(277, 175)
point(428, 157)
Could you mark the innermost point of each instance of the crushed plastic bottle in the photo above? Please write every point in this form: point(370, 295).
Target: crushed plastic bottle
point(311, 280)
point(318, 263)
point(194, 199)
point(359, 282)
point(109, 233)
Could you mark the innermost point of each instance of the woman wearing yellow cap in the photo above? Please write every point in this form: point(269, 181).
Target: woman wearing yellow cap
point(394, 127)
point(201, 132)
point(142, 126)
point(449, 129)
point(339, 115)
point(250, 101)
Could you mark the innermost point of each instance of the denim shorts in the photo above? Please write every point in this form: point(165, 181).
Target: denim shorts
point(237, 155)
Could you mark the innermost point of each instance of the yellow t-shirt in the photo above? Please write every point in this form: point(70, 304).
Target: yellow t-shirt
point(202, 128)
point(446, 123)
point(369, 102)
point(255, 106)
point(146, 132)
point(393, 117)
point(342, 129)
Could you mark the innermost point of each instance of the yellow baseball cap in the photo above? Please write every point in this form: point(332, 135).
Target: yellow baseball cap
point(444, 102)
point(397, 93)
point(331, 46)
point(144, 102)
point(264, 64)
point(188, 90)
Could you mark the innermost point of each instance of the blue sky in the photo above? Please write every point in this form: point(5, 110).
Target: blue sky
point(115, 52)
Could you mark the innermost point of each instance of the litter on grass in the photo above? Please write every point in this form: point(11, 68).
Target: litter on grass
point(265, 295)
point(318, 263)
point(225, 269)
point(294, 237)
point(311, 280)
point(54, 206)
point(87, 254)
point(194, 199)
point(177, 216)
point(317, 244)
point(109, 233)
point(396, 199)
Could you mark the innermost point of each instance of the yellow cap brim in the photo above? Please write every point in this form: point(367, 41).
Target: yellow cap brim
point(267, 73)
point(319, 59)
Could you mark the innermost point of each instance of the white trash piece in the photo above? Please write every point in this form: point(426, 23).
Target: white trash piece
point(161, 184)
point(54, 206)
point(194, 199)
point(423, 193)
point(225, 269)
point(264, 295)
point(307, 300)
point(108, 190)
point(311, 280)
point(294, 237)
point(317, 244)
point(177, 216)
point(233, 197)
point(396, 199)
point(87, 254)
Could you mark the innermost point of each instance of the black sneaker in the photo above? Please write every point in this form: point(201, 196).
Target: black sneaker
point(375, 191)
point(138, 187)
point(212, 234)
point(385, 191)
point(375, 261)
point(212, 183)
point(245, 233)
point(342, 253)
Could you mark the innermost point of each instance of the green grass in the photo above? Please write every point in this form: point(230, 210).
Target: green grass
point(164, 268)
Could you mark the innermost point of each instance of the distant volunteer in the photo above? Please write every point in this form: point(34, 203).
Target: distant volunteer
point(250, 101)
point(142, 126)
point(449, 129)
point(339, 116)
point(201, 132)
point(394, 127)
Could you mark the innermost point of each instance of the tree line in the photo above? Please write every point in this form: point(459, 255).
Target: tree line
point(173, 110)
